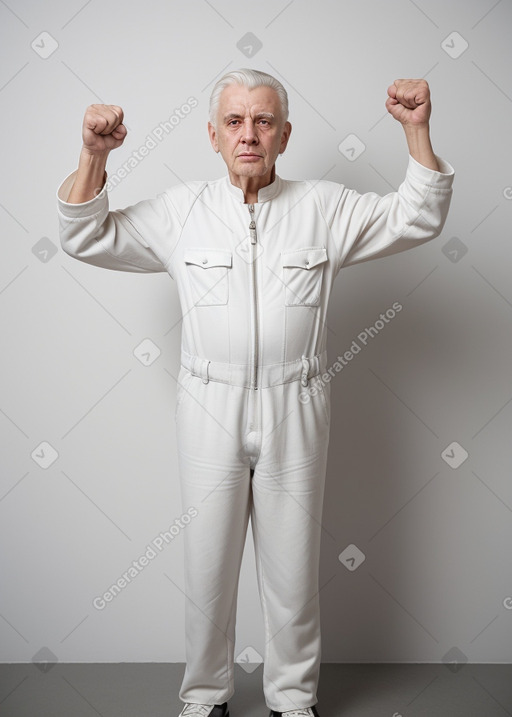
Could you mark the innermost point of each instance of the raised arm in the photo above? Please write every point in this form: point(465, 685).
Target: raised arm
point(138, 238)
point(102, 131)
point(409, 103)
point(369, 226)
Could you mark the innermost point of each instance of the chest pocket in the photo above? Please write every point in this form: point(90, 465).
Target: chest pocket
point(302, 275)
point(208, 271)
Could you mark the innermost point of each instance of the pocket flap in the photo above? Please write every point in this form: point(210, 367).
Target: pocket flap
point(305, 258)
point(207, 258)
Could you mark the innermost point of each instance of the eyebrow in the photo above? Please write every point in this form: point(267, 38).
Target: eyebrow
point(235, 115)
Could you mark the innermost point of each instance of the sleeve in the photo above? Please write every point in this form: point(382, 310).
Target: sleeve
point(139, 238)
point(368, 226)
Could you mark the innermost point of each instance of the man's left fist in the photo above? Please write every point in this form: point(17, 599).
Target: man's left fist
point(409, 102)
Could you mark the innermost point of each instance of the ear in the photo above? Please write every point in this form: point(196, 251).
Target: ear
point(213, 136)
point(285, 136)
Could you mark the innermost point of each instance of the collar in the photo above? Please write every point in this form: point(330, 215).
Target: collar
point(264, 194)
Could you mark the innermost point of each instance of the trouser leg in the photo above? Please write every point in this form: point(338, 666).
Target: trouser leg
point(215, 480)
point(288, 489)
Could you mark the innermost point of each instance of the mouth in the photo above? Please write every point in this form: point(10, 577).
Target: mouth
point(248, 155)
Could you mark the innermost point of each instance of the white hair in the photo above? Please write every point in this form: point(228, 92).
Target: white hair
point(251, 79)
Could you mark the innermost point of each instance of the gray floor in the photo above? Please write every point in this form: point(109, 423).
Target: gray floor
point(359, 690)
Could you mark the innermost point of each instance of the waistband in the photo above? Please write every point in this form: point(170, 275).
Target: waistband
point(275, 374)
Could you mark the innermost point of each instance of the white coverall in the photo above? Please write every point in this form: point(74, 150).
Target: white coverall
point(254, 283)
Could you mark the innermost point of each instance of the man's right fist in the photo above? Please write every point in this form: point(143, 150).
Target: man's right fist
point(103, 128)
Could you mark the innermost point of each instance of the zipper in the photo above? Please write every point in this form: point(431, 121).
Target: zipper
point(252, 230)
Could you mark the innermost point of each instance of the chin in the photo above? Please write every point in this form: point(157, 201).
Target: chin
point(252, 171)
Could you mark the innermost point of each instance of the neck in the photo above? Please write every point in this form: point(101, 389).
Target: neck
point(250, 186)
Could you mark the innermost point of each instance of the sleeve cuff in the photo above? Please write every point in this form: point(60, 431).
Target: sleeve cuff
point(92, 206)
point(442, 179)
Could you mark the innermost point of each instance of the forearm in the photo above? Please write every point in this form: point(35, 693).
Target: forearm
point(420, 148)
point(90, 177)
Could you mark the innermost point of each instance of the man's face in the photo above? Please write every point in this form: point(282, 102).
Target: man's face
point(250, 132)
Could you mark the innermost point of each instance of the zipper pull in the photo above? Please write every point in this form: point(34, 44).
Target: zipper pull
point(252, 225)
point(252, 229)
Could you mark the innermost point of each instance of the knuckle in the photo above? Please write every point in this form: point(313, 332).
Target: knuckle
point(117, 111)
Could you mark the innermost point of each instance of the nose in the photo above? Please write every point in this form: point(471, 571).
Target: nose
point(249, 134)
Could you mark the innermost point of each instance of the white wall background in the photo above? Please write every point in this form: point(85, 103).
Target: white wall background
point(437, 574)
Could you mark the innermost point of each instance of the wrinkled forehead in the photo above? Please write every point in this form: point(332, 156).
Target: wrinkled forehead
point(240, 100)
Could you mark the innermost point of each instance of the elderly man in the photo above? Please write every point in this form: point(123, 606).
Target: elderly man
point(254, 257)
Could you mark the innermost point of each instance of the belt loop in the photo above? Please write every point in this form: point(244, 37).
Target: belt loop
point(305, 371)
point(193, 367)
point(318, 365)
point(206, 378)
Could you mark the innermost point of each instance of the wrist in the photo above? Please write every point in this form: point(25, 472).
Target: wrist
point(90, 177)
point(93, 159)
point(420, 147)
point(417, 130)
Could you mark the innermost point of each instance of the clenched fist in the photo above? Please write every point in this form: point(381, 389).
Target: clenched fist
point(103, 129)
point(409, 102)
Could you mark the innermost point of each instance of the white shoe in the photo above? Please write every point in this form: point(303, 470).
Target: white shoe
point(305, 712)
point(193, 709)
